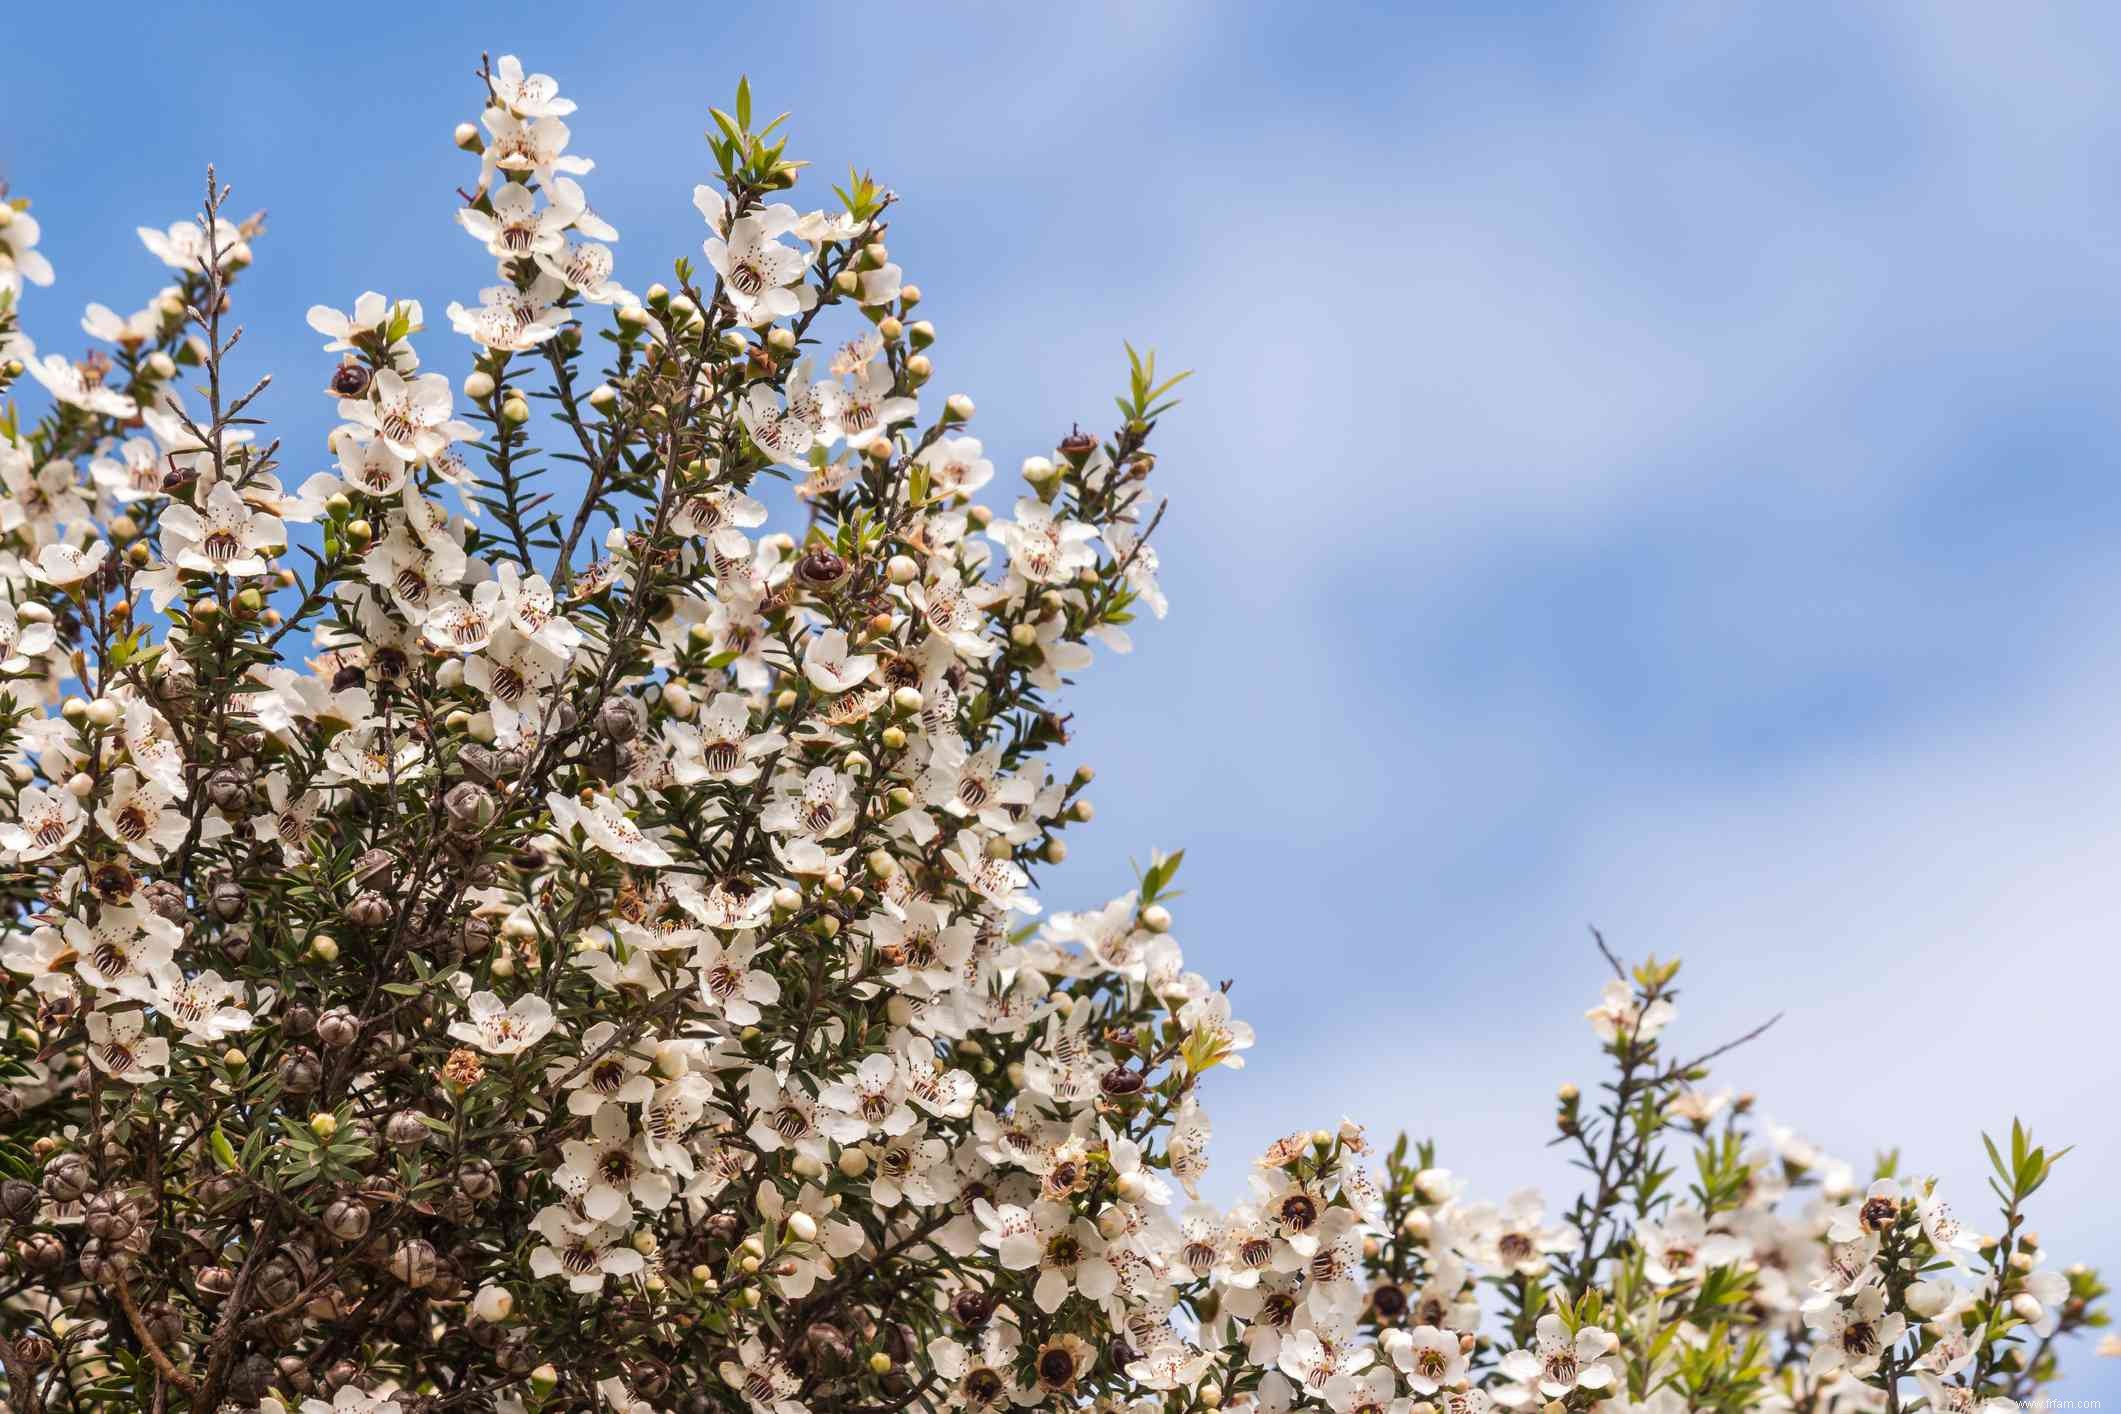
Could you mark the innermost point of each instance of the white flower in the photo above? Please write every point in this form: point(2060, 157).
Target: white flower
point(534, 145)
point(185, 245)
point(123, 947)
point(64, 564)
point(19, 258)
point(999, 881)
point(585, 1258)
point(1430, 1357)
point(1617, 1015)
point(1681, 1248)
point(1558, 1363)
point(46, 821)
point(720, 746)
point(585, 267)
point(537, 96)
point(611, 1169)
point(831, 667)
point(755, 267)
point(605, 823)
point(1043, 547)
point(367, 462)
point(372, 315)
point(120, 1047)
point(509, 319)
point(955, 466)
point(768, 1385)
point(503, 1030)
point(727, 981)
point(230, 538)
point(204, 1006)
point(1854, 1334)
point(21, 643)
point(781, 431)
point(414, 416)
point(78, 387)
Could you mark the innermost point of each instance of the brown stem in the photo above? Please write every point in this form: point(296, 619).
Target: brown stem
point(147, 1342)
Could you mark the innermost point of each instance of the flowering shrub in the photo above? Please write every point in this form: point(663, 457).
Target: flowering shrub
point(473, 951)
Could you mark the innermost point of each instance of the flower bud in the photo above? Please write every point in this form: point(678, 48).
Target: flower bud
point(802, 1227)
point(493, 1304)
point(853, 1162)
point(466, 136)
point(1156, 918)
point(324, 1125)
point(957, 408)
point(478, 385)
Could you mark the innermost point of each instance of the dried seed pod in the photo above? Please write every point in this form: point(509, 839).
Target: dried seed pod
point(471, 806)
point(369, 909)
point(67, 1177)
point(19, 1201)
point(227, 899)
point(620, 718)
point(372, 869)
point(300, 1071)
point(41, 1252)
point(278, 1280)
point(347, 1219)
point(165, 899)
point(109, 1217)
point(414, 1262)
point(338, 1028)
point(478, 1181)
point(251, 1380)
point(405, 1129)
point(229, 788)
point(214, 1282)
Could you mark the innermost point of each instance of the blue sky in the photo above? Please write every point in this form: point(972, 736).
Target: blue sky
point(1647, 465)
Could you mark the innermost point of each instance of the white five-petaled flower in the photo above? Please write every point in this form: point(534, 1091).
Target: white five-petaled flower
point(503, 1030)
point(831, 666)
point(1854, 1333)
point(413, 415)
point(607, 826)
point(120, 1047)
point(611, 1170)
point(46, 821)
point(227, 538)
point(532, 96)
point(1558, 1363)
point(756, 268)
